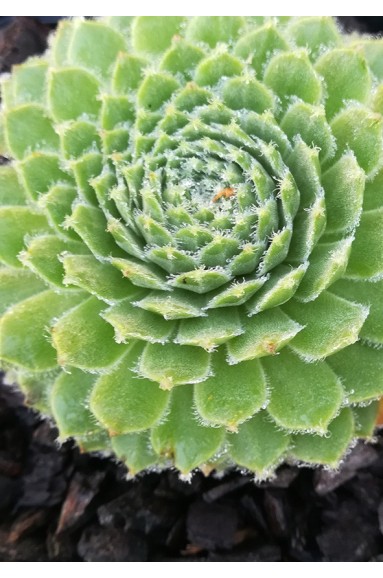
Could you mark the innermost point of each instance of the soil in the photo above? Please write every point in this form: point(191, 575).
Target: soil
point(59, 505)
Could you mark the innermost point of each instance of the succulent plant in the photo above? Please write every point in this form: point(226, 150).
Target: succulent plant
point(192, 239)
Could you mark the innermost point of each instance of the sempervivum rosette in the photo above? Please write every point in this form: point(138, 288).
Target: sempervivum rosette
point(191, 238)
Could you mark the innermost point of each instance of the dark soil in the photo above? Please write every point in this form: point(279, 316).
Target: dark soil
point(59, 505)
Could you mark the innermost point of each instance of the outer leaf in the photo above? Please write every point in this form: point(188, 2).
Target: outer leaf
point(304, 396)
point(32, 349)
point(326, 449)
point(83, 339)
point(259, 445)
point(232, 394)
point(123, 402)
point(331, 323)
point(181, 438)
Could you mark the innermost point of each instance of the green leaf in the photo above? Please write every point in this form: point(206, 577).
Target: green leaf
point(359, 129)
point(155, 90)
point(201, 280)
point(264, 334)
point(182, 58)
point(153, 34)
point(373, 52)
point(344, 187)
point(16, 224)
point(257, 46)
point(373, 193)
point(311, 124)
point(331, 323)
point(172, 364)
point(317, 33)
point(277, 250)
point(42, 256)
point(367, 249)
point(39, 172)
point(142, 274)
point(181, 438)
point(130, 322)
point(175, 305)
point(127, 72)
point(70, 405)
point(347, 77)
point(100, 279)
point(122, 402)
point(94, 46)
point(370, 295)
point(31, 348)
point(329, 449)
point(236, 294)
point(61, 42)
point(365, 418)
point(17, 285)
point(214, 29)
point(83, 339)
point(328, 262)
point(11, 192)
point(90, 224)
point(291, 74)
point(29, 81)
point(27, 129)
point(78, 138)
point(232, 394)
point(135, 451)
point(73, 92)
point(36, 387)
point(281, 286)
point(303, 396)
point(210, 70)
point(361, 370)
point(247, 93)
point(259, 445)
point(211, 331)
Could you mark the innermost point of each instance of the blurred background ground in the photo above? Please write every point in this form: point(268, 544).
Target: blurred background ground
point(59, 505)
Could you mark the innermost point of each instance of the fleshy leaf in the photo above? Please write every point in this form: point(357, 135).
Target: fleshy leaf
point(172, 364)
point(232, 394)
point(130, 322)
point(32, 349)
point(28, 128)
point(315, 449)
point(209, 332)
point(365, 418)
point(370, 295)
point(181, 438)
point(361, 370)
point(70, 406)
point(16, 224)
point(344, 187)
point(17, 285)
point(83, 339)
point(263, 335)
point(346, 75)
point(360, 130)
point(123, 402)
point(259, 445)
point(331, 323)
point(303, 396)
point(367, 249)
point(153, 34)
point(135, 451)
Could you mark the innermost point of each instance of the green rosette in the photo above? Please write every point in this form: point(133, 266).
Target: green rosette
point(191, 239)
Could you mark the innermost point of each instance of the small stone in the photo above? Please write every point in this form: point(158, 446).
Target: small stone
point(211, 526)
point(99, 544)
